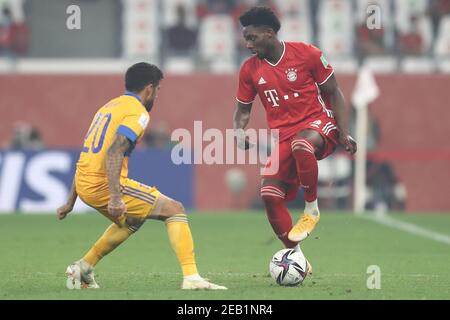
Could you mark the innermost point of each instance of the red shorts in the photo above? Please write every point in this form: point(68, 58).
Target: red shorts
point(287, 168)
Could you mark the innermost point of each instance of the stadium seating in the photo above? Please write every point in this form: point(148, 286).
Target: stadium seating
point(217, 42)
point(140, 36)
point(295, 29)
point(295, 18)
point(386, 19)
point(442, 44)
point(17, 9)
point(169, 16)
point(441, 48)
point(336, 27)
point(410, 18)
point(293, 8)
point(405, 9)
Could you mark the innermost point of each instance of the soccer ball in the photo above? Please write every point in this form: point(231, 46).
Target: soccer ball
point(288, 267)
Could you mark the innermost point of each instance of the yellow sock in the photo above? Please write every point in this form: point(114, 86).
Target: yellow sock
point(181, 240)
point(110, 240)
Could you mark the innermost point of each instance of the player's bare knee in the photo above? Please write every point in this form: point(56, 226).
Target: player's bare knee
point(170, 209)
point(177, 208)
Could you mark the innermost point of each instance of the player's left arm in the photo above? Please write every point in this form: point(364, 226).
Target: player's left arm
point(65, 209)
point(331, 89)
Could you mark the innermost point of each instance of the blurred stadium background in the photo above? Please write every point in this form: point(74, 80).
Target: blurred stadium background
point(53, 77)
point(55, 73)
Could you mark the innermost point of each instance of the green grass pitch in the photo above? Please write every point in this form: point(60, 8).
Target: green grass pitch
point(233, 249)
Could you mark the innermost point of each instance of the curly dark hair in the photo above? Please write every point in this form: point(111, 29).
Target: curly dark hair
point(260, 16)
point(142, 74)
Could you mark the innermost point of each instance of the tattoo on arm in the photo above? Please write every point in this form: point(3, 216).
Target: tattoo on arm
point(114, 161)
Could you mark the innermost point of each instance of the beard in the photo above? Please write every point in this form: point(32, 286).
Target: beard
point(149, 105)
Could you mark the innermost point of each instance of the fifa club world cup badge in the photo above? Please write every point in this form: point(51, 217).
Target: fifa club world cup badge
point(291, 74)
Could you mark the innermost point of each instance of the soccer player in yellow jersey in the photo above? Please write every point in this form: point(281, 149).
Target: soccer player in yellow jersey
point(101, 182)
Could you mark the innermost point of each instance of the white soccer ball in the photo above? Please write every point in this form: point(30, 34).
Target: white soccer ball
point(288, 267)
point(236, 180)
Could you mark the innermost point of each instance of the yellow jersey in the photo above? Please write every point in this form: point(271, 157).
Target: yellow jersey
point(125, 115)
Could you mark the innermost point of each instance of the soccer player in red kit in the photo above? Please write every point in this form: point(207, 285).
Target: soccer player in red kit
point(296, 85)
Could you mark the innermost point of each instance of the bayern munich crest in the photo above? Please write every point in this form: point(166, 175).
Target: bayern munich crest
point(291, 74)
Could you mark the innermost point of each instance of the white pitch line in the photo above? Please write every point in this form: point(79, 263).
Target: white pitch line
point(408, 227)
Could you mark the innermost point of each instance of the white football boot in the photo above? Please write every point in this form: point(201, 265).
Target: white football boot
point(81, 276)
point(198, 283)
point(73, 273)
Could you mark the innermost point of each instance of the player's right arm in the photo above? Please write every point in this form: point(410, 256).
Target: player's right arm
point(245, 95)
point(64, 210)
point(114, 159)
point(240, 120)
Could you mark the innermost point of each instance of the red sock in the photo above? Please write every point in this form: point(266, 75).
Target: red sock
point(277, 213)
point(307, 170)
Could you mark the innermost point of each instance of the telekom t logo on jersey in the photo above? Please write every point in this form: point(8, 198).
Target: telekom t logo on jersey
point(272, 97)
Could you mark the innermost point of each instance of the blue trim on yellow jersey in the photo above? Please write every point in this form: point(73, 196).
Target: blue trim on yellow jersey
point(138, 197)
point(138, 193)
point(132, 94)
point(127, 132)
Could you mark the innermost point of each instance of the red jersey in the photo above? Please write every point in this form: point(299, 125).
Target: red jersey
point(288, 89)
